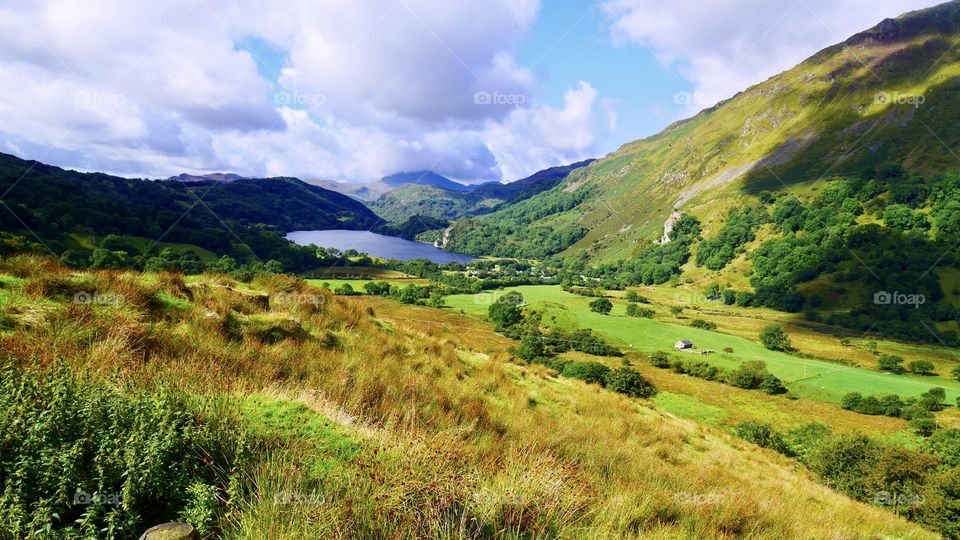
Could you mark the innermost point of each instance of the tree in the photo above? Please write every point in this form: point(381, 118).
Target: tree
point(850, 401)
point(774, 338)
point(772, 385)
point(505, 312)
point(921, 367)
point(945, 444)
point(932, 400)
point(630, 382)
point(345, 290)
point(633, 296)
point(956, 373)
point(601, 306)
point(531, 346)
point(889, 362)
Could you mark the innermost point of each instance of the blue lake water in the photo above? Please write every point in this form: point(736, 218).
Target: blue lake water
point(377, 245)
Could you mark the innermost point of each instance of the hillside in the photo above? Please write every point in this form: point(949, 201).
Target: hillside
point(823, 190)
point(271, 409)
point(887, 95)
point(436, 201)
point(55, 209)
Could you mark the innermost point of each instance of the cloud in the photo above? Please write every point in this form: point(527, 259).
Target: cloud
point(538, 137)
point(364, 88)
point(724, 47)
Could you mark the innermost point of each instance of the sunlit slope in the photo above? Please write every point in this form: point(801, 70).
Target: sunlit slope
point(887, 95)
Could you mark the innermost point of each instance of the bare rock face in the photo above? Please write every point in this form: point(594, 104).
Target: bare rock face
point(171, 531)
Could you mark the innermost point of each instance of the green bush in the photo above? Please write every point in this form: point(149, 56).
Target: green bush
point(633, 310)
point(703, 325)
point(100, 462)
point(774, 338)
point(660, 359)
point(590, 372)
point(890, 363)
point(765, 436)
point(602, 306)
point(630, 382)
point(921, 367)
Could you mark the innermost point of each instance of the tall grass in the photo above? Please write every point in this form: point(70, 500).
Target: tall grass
point(448, 443)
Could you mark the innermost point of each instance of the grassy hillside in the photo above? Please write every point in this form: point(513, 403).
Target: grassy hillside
point(872, 100)
point(271, 409)
point(440, 202)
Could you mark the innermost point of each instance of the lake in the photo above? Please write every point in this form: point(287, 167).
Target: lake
point(377, 245)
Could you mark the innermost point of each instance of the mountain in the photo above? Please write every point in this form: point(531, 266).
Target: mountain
point(435, 201)
point(888, 95)
point(216, 177)
point(372, 191)
point(61, 209)
point(423, 178)
point(828, 189)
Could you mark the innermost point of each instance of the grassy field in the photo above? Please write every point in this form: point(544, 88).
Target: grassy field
point(807, 378)
point(352, 422)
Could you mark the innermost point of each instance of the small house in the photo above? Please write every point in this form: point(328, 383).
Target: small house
point(683, 345)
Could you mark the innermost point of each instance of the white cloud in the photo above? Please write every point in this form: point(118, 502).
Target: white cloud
point(538, 137)
point(367, 88)
point(724, 47)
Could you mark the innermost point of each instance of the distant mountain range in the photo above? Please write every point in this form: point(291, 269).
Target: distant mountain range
point(216, 177)
point(371, 191)
point(436, 201)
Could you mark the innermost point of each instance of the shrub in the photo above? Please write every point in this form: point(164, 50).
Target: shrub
point(851, 400)
point(702, 324)
point(765, 436)
point(590, 372)
point(772, 385)
point(945, 444)
point(774, 338)
point(890, 363)
point(602, 306)
point(630, 382)
point(144, 451)
point(660, 359)
point(633, 296)
point(924, 425)
point(634, 310)
point(921, 367)
point(749, 375)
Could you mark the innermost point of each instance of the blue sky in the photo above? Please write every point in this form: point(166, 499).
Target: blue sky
point(352, 91)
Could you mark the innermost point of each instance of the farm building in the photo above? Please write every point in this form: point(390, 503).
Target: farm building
point(683, 344)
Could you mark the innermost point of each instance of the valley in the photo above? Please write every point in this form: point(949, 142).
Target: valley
point(746, 325)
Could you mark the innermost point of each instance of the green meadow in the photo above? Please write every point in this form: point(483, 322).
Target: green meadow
point(805, 377)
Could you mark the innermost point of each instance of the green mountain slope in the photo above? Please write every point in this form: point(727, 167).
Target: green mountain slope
point(434, 200)
point(48, 207)
point(886, 95)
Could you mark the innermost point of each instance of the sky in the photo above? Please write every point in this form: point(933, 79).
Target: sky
point(354, 90)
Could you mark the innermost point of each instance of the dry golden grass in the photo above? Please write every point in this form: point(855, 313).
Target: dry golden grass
point(452, 439)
